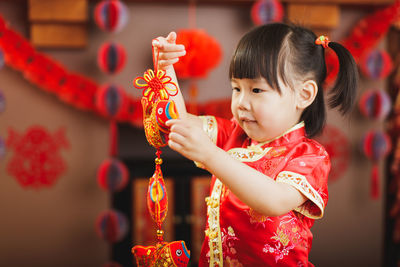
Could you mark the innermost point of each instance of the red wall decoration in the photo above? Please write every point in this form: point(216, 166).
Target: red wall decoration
point(36, 161)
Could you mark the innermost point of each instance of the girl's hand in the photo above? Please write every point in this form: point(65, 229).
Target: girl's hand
point(188, 138)
point(169, 51)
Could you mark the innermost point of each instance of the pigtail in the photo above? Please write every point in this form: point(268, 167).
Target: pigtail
point(343, 93)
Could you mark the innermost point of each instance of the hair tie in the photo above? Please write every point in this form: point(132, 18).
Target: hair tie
point(322, 40)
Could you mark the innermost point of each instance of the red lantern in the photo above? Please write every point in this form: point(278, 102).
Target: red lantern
point(112, 175)
point(203, 54)
point(112, 226)
point(111, 15)
point(375, 104)
point(266, 11)
point(111, 58)
point(376, 64)
point(376, 145)
point(111, 101)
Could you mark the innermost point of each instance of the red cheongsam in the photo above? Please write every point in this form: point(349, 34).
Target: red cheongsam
point(236, 235)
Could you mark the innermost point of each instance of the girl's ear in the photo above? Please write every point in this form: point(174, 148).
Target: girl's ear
point(307, 93)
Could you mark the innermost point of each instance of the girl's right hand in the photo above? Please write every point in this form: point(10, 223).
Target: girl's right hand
point(169, 51)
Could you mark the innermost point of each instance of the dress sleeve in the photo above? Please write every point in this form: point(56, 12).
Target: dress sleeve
point(308, 172)
point(217, 129)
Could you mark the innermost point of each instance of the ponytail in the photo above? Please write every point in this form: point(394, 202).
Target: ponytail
point(343, 93)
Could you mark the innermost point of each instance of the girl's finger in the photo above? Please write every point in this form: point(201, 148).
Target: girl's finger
point(174, 146)
point(171, 55)
point(177, 138)
point(180, 129)
point(171, 38)
point(171, 122)
point(166, 63)
point(173, 47)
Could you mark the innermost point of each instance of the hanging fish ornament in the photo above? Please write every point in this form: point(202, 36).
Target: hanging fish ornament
point(158, 108)
point(163, 254)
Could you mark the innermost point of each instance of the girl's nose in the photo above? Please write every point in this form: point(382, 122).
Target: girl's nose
point(243, 101)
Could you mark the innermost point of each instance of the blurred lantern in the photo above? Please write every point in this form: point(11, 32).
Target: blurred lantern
point(111, 58)
point(376, 64)
point(2, 148)
point(112, 226)
point(112, 175)
point(2, 102)
point(375, 104)
point(266, 11)
point(337, 146)
point(375, 145)
point(111, 15)
point(112, 264)
point(203, 53)
point(1, 58)
point(111, 100)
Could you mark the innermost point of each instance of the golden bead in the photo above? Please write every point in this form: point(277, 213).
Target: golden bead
point(158, 161)
point(160, 232)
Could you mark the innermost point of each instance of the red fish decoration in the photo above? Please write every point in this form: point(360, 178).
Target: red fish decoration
point(157, 110)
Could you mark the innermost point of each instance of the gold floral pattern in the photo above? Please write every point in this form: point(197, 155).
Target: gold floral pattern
point(300, 183)
point(214, 232)
point(250, 154)
point(210, 126)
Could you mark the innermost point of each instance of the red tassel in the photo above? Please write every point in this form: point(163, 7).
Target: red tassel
point(113, 138)
point(375, 182)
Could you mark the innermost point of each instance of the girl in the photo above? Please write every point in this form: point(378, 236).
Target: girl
point(269, 179)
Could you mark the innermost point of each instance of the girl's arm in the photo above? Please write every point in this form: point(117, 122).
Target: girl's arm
point(169, 53)
point(253, 188)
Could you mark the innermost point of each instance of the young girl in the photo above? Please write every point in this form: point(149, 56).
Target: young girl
point(269, 179)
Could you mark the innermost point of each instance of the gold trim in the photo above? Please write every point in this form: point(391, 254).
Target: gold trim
point(250, 154)
point(300, 183)
point(214, 231)
point(210, 126)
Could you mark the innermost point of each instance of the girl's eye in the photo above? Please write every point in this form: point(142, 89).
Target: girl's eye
point(257, 90)
point(236, 89)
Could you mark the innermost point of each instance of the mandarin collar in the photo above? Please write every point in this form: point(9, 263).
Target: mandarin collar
point(293, 134)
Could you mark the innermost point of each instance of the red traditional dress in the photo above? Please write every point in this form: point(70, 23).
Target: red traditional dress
point(236, 235)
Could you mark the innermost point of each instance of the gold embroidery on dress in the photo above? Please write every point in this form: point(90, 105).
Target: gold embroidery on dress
point(214, 231)
point(210, 126)
point(300, 183)
point(256, 217)
point(249, 154)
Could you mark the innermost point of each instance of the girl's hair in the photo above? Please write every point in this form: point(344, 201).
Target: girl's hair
point(274, 50)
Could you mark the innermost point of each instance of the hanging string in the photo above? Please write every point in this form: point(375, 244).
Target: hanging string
point(113, 138)
point(192, 14)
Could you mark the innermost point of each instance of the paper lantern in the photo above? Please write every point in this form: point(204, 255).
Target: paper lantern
point(112, 175)
point(266, 11)
point(203, 53)
point(2, 102)
point(1, 58)
point(337, 146)
point(376, 64)
point(111, 58)
point(375, 145)
point(112, 226)
point(111, 15)
point(111, 100)
point(2, 148)
point(375, 104)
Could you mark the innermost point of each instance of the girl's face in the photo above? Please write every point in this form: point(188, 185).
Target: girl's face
point(262, 112)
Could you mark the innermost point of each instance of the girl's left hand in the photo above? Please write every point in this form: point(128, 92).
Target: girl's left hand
point(189, 139)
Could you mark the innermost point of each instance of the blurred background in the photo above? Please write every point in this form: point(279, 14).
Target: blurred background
point(74, 161)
